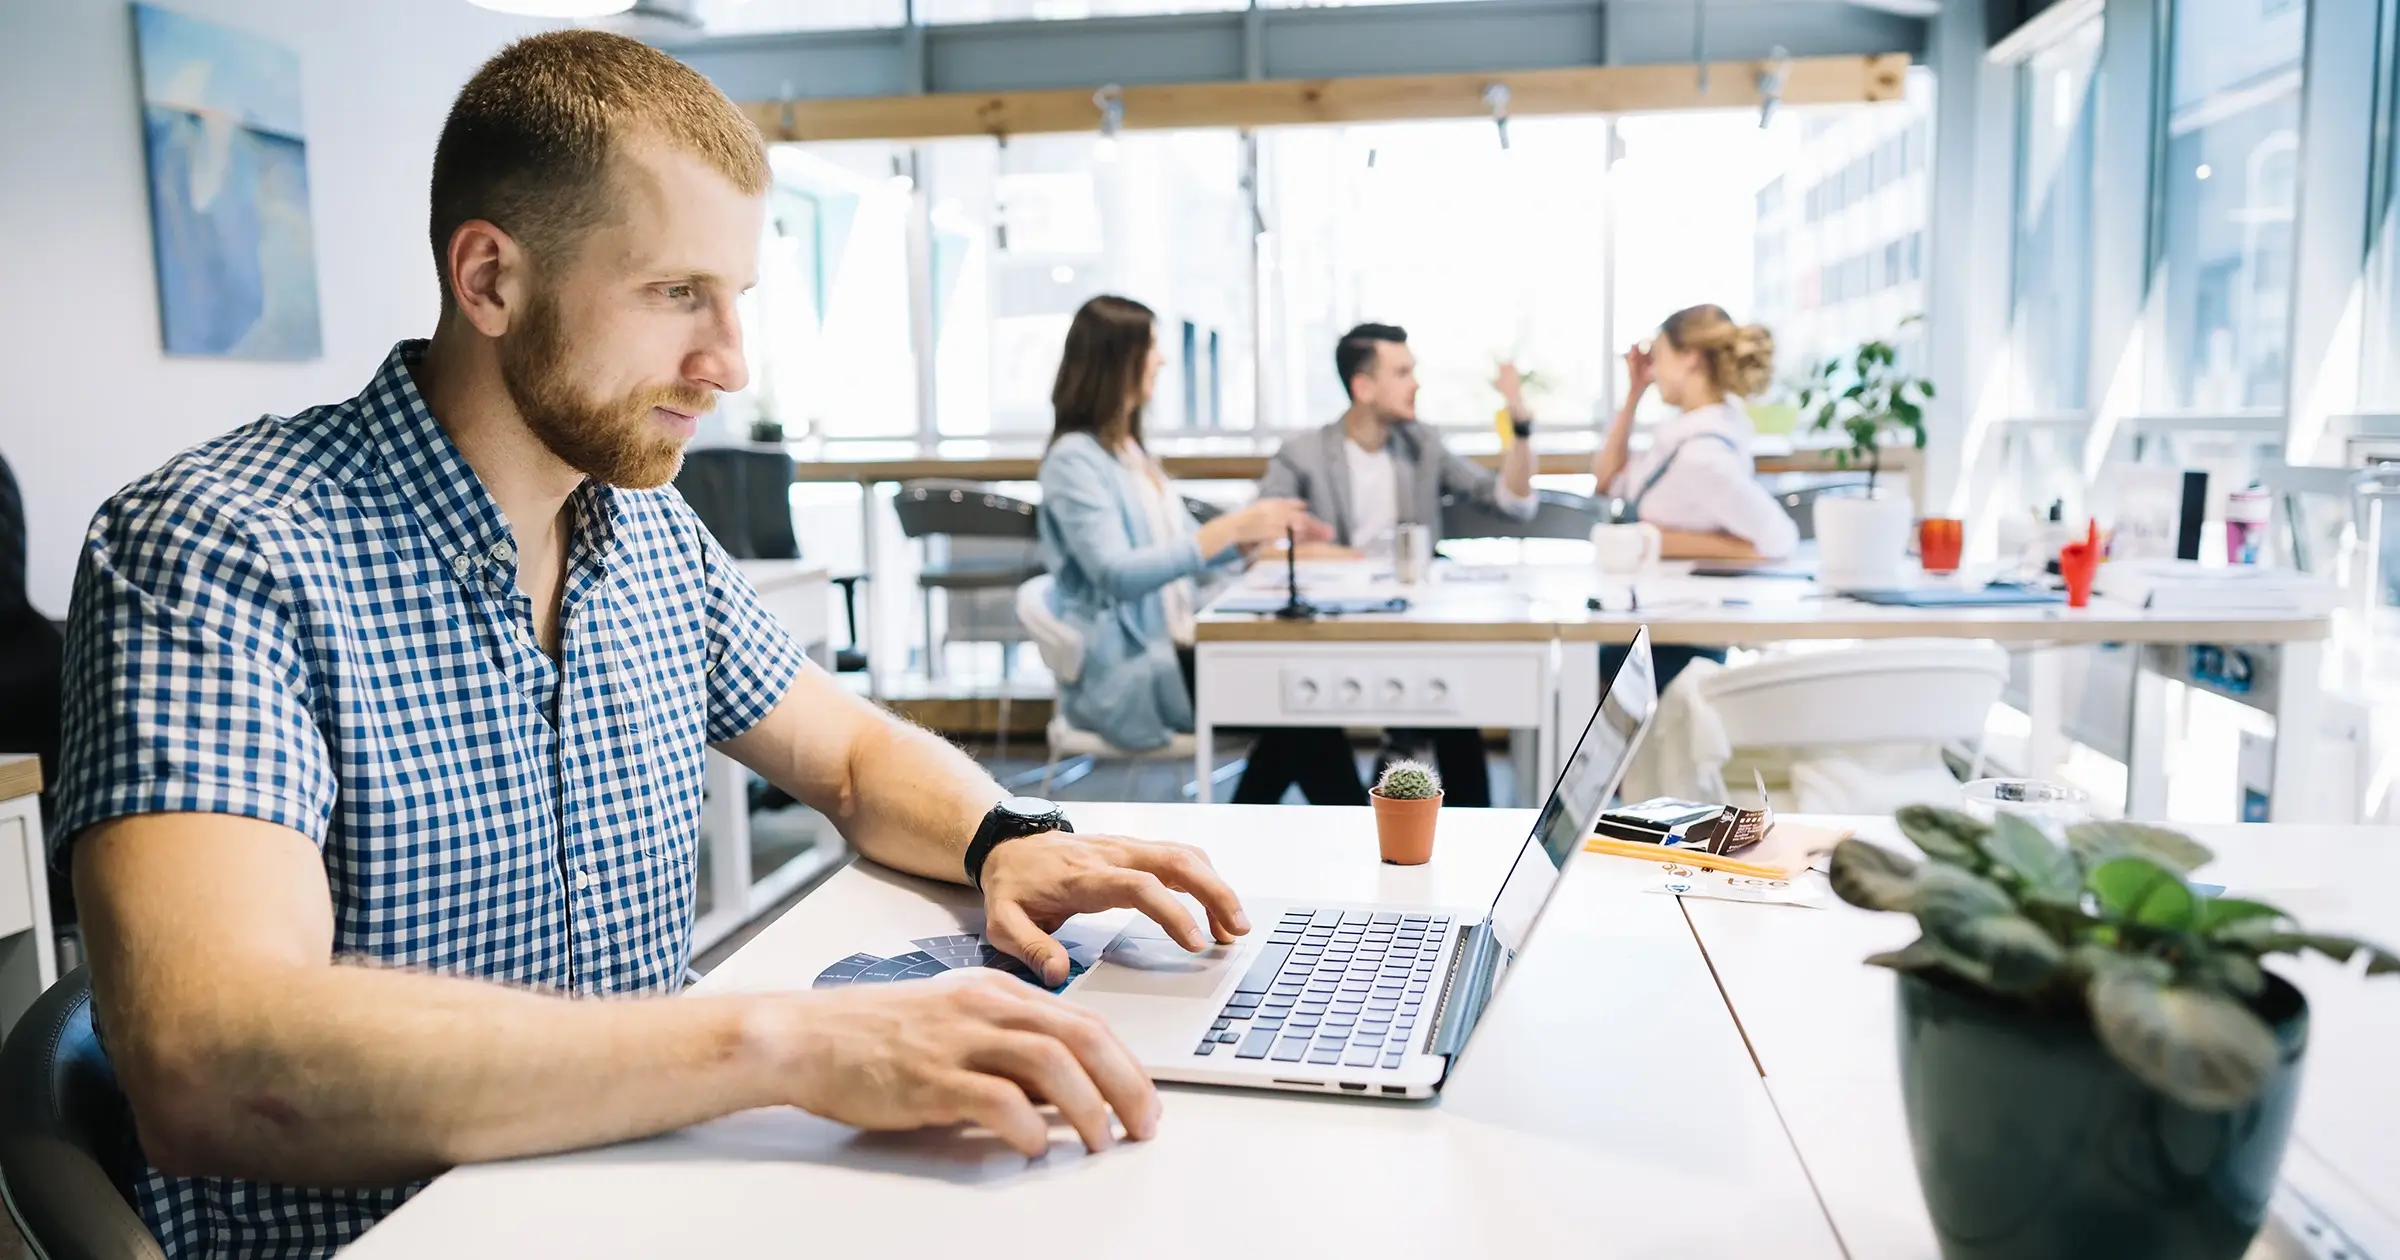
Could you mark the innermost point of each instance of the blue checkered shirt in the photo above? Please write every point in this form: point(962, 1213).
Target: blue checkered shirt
point(315, 621)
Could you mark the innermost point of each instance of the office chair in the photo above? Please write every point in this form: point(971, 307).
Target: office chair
point(68, 1157)
point(744, 496)
point(980, 546)
point(1558, 515)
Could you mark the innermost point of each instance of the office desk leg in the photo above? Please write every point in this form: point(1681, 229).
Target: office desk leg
point(1204, 744)
point(2146, 744)
point(868, 622)
point(2045, 703)
point(2299, 711)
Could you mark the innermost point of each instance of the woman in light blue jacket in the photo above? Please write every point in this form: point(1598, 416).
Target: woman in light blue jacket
point(1130, 566)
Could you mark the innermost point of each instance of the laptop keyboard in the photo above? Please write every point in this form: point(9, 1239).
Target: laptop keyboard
point(1334, 987)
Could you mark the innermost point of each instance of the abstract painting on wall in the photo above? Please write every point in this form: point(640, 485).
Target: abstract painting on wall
point(237, 271)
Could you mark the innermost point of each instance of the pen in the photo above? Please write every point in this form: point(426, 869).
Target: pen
point(1688, 857)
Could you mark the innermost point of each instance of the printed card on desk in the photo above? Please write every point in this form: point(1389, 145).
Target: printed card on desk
point(1806, 888)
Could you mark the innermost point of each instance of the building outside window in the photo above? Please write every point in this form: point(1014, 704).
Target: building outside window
point(2051, 311)
point(2382, 366)
point(2228, 186)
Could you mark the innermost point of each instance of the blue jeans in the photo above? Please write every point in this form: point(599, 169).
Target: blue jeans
point(1670, 658)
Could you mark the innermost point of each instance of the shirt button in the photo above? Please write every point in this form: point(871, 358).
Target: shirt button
point(583, 880)
point(461, 566)
point(503, 553)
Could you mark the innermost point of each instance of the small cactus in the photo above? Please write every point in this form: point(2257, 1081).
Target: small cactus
point(1409, 781)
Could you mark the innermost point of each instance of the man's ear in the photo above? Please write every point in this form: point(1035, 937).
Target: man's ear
point(487, 270)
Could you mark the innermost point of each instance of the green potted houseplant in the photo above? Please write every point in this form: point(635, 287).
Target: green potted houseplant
point(2093, 1061)
point(1867, 398)
point(1408, 801)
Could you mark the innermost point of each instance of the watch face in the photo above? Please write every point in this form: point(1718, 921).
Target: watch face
point(1029, 807)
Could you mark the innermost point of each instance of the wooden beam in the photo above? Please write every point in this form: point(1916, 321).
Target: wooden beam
point(1295, 102)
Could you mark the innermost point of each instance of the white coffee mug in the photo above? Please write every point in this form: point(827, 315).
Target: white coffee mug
point(1624, 550)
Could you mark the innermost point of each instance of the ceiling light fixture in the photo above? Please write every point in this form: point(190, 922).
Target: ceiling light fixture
point(1111, 102)
point(556, 8)
point(1778, 72)
point(1496, 98)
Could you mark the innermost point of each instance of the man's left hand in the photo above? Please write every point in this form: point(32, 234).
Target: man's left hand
point(1034, 884)
point(1511, 385)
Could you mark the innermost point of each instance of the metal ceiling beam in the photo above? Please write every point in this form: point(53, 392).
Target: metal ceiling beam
point(1486, 35)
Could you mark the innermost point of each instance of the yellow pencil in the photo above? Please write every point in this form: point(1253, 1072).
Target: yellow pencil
point(1688, 857)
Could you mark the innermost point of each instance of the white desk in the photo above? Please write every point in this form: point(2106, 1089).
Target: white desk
point(1485, 638)
point(1607, 1082)
point(1824, 1028)
point(1465, 654)
point(797, 593)
point(28, 954)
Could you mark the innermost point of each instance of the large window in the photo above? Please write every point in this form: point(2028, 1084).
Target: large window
point(958, 264)
point(1481, 253)
point(827, 329)
point(2051, 313)
point(2229, 183)
point(2382, 383)
point(1023, 233)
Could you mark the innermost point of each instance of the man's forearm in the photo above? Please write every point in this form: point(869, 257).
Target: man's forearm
point(913, 800)
point(357, 1075)
point(1516, 468)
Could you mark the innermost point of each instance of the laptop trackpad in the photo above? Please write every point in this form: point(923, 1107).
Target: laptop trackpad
point(1150, 964)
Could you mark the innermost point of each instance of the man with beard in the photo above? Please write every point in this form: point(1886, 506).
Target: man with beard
point(386, 723)
point(1376, 469)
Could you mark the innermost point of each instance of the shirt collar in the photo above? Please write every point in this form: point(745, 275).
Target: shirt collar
point(458, 513)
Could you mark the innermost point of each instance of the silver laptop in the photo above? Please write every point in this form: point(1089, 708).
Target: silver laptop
point(1364, 999)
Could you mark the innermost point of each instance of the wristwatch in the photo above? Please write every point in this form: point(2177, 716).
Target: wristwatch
point(1013, 817)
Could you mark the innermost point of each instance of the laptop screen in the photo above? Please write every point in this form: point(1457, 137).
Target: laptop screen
point(1591, 774)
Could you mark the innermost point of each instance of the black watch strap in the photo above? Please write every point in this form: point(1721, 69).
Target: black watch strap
point(1006, 821)
point(1524, 428)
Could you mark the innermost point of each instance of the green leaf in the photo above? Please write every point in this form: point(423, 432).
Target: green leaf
point(2201, 1048)
point(1925, 387)
point(1946, 835)
point(1917, 955)
point(1947, 895)
point(1872, 877)
point(2221, 912)
point(2097, 842)
point(2141, 891)
point(2260, 936)
point(2019, 955)
point(2044, 871)
point(2229, 970)
point(2096, 960)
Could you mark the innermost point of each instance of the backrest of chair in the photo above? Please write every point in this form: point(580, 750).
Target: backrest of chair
point(1798, 494)
point(961, 509)
point(1900, 691)
point(1558, 515)
point(1060, 646)
point(744, 496)
point(68, 1156)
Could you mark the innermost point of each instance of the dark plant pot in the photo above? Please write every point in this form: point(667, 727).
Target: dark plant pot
point(2033, 1144)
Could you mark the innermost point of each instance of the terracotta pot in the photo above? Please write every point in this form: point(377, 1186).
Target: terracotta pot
point(1404, 829)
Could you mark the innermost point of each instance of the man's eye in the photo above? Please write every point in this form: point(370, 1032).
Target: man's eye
point(680, 292)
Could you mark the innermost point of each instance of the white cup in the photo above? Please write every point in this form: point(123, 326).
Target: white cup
point(1625, 550)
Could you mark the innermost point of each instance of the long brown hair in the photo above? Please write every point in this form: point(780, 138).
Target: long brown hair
point(1100, 373)
point(1740, 357)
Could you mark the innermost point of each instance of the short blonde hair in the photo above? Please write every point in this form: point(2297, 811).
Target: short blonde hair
point(1740, 357)
point(528, 142)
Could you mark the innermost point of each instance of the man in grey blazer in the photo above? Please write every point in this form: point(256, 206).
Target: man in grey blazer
point(1377, 468)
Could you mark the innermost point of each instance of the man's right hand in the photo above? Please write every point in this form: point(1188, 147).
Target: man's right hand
point(974, 1046)
point(1267, 520)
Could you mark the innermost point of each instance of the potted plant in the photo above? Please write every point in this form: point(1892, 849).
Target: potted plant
point(1862, 540)
point(1408, 798)
point(2092, 1059)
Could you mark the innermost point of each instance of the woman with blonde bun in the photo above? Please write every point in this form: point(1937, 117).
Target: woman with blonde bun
point(1697, 482)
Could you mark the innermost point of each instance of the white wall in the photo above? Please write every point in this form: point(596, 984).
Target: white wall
point(87, 400)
